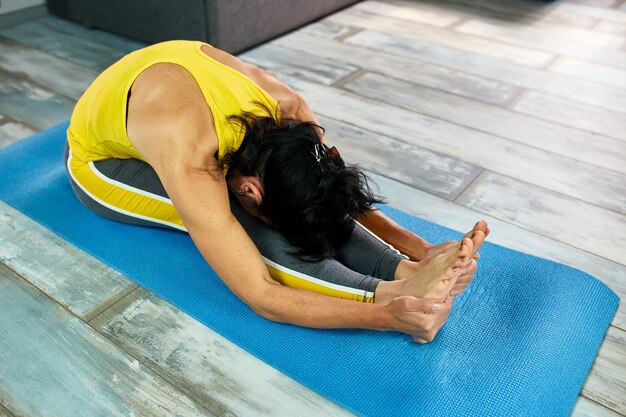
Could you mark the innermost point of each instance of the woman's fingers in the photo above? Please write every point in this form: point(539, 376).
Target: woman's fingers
point(457, 290)
point(419, 317)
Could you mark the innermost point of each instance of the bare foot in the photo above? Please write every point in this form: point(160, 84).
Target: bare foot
point(477, 235)
point(431, 277)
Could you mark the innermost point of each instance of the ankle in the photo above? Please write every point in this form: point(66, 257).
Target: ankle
point(406, 269)
point(387, 291)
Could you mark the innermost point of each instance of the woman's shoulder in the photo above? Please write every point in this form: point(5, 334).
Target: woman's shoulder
point(277, 89)
point(168, 115)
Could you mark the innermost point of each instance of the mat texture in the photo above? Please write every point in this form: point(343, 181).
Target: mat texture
point(519, 341)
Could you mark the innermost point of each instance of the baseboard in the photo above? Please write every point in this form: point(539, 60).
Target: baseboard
point(24, 15)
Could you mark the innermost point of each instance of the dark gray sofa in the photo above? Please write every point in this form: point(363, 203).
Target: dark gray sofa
point(232, 25)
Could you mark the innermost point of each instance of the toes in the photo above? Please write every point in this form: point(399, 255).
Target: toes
point(450, 253)
point(457, 291)
point(467, 245)
point(460, 262)
point(459, 255)
point(453, 272)
point(465, 252)
point(477, 240)
point(487, 231)
point(453, 249)
point(482, 225)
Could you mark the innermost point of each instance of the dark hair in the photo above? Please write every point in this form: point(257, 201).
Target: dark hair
point(311, 200)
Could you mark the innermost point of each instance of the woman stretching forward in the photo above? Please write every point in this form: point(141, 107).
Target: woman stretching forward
point(163, 135)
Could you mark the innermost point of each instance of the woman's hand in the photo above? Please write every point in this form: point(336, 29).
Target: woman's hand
point(421, 318)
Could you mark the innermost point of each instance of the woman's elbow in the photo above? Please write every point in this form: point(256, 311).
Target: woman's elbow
point(269, 313)
point(265, 303)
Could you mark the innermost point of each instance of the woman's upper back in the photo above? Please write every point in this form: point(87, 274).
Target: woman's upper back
point(170, 81)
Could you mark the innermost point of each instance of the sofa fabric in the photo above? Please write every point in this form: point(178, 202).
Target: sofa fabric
point(232, 25)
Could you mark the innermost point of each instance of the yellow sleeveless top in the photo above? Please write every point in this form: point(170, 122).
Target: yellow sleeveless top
point(98, 126)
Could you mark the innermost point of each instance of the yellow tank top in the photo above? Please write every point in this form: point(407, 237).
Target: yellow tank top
point(98, 126)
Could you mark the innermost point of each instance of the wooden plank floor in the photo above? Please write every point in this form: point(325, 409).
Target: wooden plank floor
point(512, 111)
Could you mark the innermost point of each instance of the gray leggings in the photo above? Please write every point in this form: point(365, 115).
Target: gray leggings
point(359, 265)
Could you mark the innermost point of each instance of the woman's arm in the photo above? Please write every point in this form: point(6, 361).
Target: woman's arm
point(391, 232)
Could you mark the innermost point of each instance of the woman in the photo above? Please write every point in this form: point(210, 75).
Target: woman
point(161, 137)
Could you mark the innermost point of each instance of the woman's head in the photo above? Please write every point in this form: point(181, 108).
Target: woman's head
point(283, 174)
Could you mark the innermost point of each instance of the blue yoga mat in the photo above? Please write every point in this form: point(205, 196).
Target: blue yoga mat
point(519, 341)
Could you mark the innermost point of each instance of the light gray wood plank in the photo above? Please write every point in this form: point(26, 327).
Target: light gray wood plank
point(324, 29)
point(587, 37)
point(535, 166)
point(297, 64)
point(512, 10)
point(570, 88)
point(562, 11)
point(574, 143)
point(589, 408)
point(578, 36)
point(53, 364)
point(613, 15)
point(606, 383)
point(425, 37)
point(561, 218)
point(67, 45)
point(610, 76)
point(461, 218)
point(550, 37)
point(29, 103)
point(412, 12)
point(11, 131)
point(528, 30)
point(590, 118)
point(221, 376)
point(71, 277)
point(597, 3)
point(116, 42)
point(435, 76)
point(611, 27)
point(44, 69)
point(409, 164)
point(525, 36)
